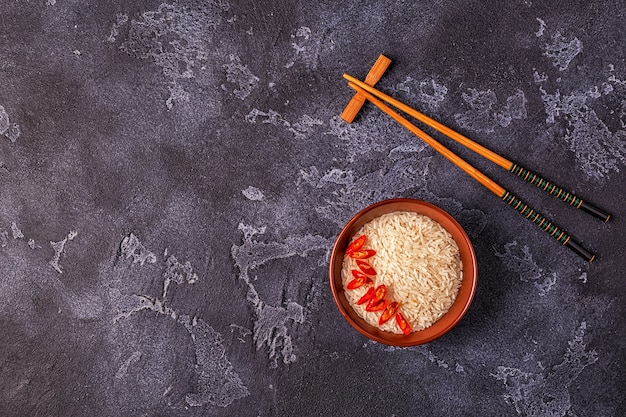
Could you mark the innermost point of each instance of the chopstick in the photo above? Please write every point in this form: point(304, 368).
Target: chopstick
point(546, 225)
point(518, 170)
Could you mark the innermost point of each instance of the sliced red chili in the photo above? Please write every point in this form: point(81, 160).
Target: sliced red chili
point(359, 279)
point(365, 267)
point(402, 323)
point(388, 313)
point(379, 294)
point(357, 282)
point(362, 254)
point(356, 244)
point(380, 306)
point(367, 296)
point(358, 274)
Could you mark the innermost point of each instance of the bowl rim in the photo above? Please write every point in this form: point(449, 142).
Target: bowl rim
point(461, 304)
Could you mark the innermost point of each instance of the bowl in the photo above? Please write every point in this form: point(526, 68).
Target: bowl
point(468, 280)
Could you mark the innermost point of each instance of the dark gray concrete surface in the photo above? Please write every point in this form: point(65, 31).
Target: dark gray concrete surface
point(173, 175)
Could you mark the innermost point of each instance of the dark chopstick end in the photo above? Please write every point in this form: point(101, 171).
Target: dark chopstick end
point(580, 251)
point(595, 211)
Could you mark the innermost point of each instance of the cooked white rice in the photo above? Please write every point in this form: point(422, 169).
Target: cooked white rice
point(419, 263)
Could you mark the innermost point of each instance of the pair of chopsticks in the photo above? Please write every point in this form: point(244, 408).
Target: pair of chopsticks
point(375, 96)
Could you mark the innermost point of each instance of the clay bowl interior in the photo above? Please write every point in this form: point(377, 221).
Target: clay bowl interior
point(468, 283)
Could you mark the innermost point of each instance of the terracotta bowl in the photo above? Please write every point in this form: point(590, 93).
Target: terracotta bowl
point(468, 283)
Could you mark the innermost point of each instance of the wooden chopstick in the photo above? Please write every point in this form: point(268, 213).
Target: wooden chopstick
point(521, 172)
point(554, 231)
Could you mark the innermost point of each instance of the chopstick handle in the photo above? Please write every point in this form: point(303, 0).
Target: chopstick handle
point(558, 192)
point(547, 226)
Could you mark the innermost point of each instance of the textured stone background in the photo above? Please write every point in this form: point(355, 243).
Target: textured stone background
point(173, 175)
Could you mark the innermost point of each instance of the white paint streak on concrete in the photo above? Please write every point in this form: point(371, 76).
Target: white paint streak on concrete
point(271, 322)
point(300, 128)
point(17, 233)
point(542, 28)
point(597, 149)
point(240, 75)
point(562, 50)
point(486, 114)
point(427, 91)
point(10, 130)
point(176, 37)
point(253, 194)
point(545, 392)
point(217, 382)
point(519, 260)
point(131, 247)
point(59, 250)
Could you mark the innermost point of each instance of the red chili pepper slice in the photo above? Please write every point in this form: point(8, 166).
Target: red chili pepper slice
point(402, 323)
point(379, 294)
point(388, 313)
point(380, 306)
point(358, 274)
point(357, 282)
point(356, 244)
point(365, 267)
point(362, 254)
point(359, 279)
point(367, 296)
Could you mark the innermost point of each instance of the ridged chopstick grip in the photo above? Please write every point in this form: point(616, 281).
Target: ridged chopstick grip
point(558, 192)
point(547, 226)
